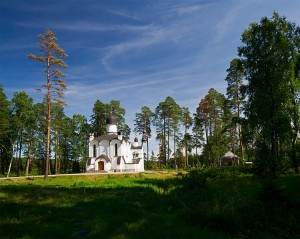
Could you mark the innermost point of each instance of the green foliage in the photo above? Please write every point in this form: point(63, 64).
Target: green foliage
point(241, 205)
point(269, 53)
point(143, 121)
point(6, 136)
point(166, 119)
point(101, 111)
point(235, 104)
point(24, 119)
point(211, 117)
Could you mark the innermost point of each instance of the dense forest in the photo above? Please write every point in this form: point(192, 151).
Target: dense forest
point(257, 119)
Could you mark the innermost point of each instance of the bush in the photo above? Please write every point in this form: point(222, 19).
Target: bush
point(241, 206)
point(195, 179)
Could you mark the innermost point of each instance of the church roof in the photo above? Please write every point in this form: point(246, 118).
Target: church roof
point(119, 160)
point(108, 137)
point(107, 159)
point(89, 161)
point(134, 161)
point(137, 147)
point(111, 120)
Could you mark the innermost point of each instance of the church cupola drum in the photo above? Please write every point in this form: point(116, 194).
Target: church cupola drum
point(135, 142)
point(111, 125)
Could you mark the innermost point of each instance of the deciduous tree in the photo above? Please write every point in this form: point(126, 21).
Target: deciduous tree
point(6, 140)
point(269, 50)
point(22, 111)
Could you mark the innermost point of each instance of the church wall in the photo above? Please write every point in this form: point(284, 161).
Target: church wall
point(103, 147)
point(107, 148)
point(112, 143)
point(134, 167)
point(127, 146)
point(124, 149)
point(91, 146)
point(112, 156)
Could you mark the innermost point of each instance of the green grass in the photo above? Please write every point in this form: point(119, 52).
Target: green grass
point(145, 205)
point(243, 206)
point(113, 206)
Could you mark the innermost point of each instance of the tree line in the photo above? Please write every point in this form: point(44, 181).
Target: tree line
point(257, 119)
point(265, 108)
point(23, 134)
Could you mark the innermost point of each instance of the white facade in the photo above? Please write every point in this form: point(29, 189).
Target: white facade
point(111, 152)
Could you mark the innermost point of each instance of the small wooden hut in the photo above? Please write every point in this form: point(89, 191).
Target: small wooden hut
point(229, 159)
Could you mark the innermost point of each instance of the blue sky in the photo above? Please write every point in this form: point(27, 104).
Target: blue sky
point(135, 51)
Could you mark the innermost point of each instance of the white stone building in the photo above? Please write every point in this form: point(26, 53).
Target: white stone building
point(111, 152)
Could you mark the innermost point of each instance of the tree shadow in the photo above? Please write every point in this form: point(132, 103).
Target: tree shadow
point(31, 211)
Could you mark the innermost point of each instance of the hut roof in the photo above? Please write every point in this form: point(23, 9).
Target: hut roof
point(229, 155)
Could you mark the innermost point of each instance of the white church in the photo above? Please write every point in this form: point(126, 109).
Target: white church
point(113, 153)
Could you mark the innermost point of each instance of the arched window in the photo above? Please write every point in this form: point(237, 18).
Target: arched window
point(116, 149)
point(94, 151)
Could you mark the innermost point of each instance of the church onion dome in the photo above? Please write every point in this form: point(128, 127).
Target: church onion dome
point(136, 139)
point(111, 120)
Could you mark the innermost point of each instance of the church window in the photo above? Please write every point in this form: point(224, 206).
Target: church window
point(116, 149)
point(94, 151)
point(135, 155)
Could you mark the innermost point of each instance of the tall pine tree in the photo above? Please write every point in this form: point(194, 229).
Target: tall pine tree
point(52, 59)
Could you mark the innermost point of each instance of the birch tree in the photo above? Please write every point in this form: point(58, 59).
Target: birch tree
point(270, 50)
point(5, 131)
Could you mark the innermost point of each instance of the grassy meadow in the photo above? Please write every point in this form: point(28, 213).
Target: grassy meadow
point(199, 204)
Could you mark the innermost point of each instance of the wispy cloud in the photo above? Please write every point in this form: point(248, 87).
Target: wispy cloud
point(227, 23)
point(157, 34)
point(186, 10)
point(86, 26)
point(138, 52)
point(121, 13)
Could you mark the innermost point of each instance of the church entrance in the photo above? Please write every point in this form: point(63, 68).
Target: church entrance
point(100, 165)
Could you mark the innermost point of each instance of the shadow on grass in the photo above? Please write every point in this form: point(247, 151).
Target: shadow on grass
point(32, 211)
point(139, 206)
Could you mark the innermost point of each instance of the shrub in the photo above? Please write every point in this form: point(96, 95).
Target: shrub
point(243, 206)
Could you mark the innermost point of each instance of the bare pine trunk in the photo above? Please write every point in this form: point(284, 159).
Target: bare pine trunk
point(147, 153)
point(164, 143)
point(11, 159)
point(168, 140)
point(29, 158)
point(186, 154)
point(17, 158)
point(241, 143)
point(240, 128)
point(186, 149)
point(175, 148)
point(55, 156)
point(48, 121)
point(20, 154)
